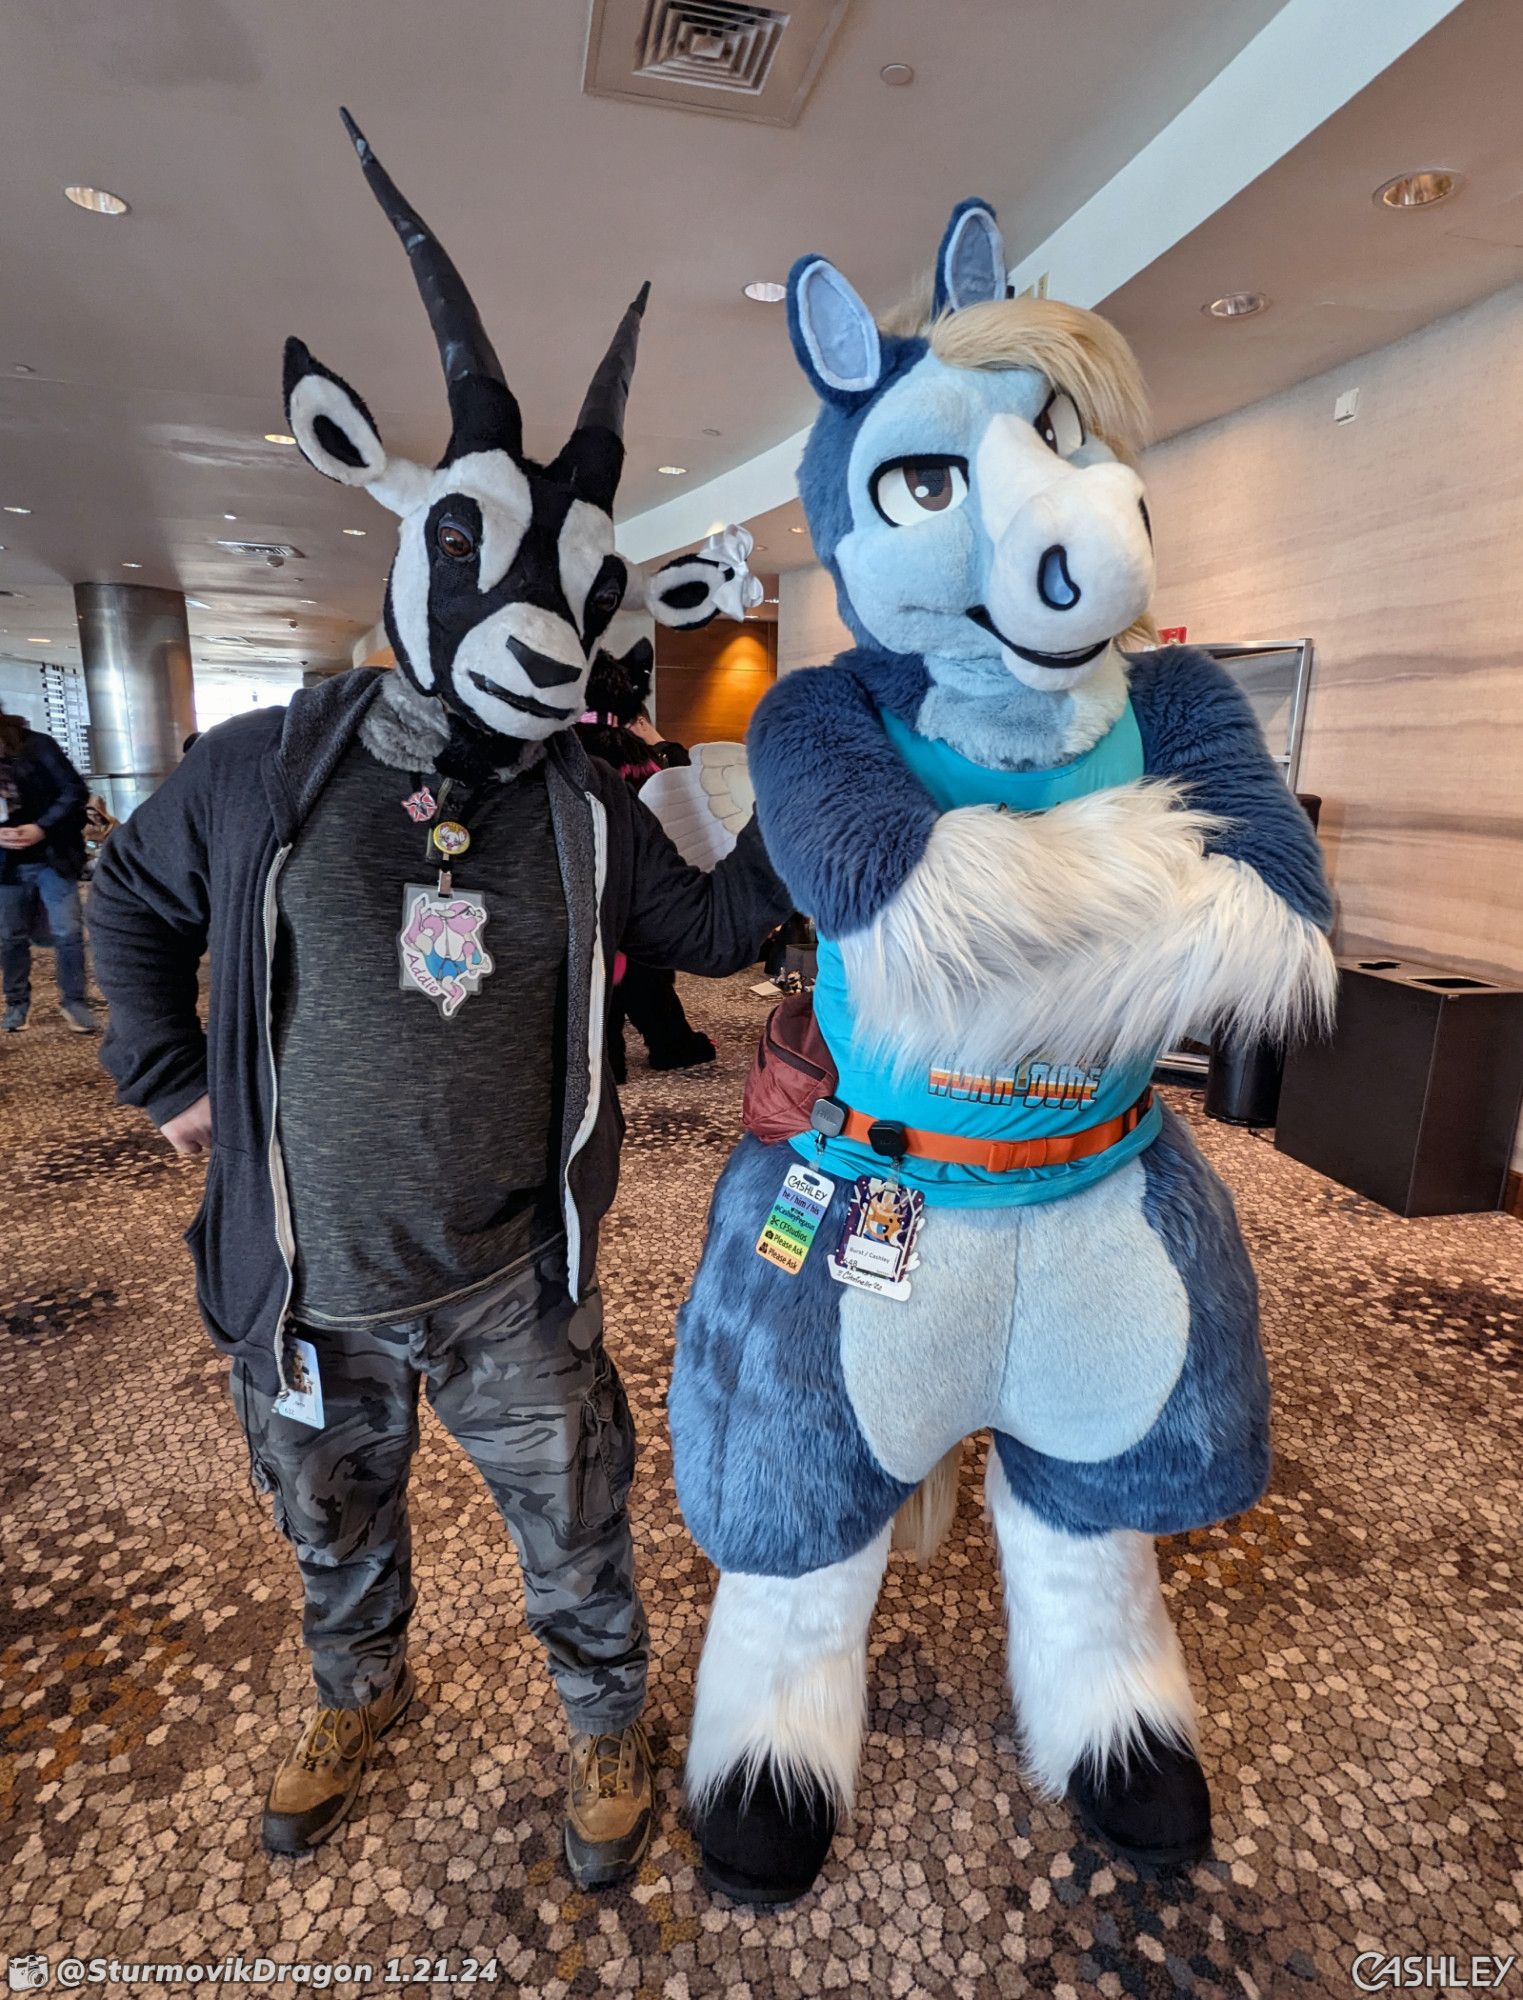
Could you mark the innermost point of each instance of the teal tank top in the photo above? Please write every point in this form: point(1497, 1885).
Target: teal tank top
point(1038, 1100)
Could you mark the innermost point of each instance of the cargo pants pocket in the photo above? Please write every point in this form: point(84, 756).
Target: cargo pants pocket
point(606, 1466)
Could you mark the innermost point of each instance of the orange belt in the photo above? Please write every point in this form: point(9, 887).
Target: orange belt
point(1001, 1156)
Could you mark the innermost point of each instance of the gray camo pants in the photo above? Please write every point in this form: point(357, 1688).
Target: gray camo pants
point(518, 1376)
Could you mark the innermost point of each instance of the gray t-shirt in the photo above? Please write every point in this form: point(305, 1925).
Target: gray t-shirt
point(419, 1151)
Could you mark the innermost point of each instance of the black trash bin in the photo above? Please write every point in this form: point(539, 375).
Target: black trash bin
point(1243, 1082)
point(1414, 1099)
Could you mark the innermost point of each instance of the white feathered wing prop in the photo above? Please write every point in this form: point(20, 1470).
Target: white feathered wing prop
point(704, 805)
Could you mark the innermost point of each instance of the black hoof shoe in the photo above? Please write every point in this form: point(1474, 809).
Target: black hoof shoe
point(761, 1847)
point(1155, 1808)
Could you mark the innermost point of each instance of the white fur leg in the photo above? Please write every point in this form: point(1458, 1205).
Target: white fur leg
point(1092, 1652)
point(783, 1677)
point(1098, 930)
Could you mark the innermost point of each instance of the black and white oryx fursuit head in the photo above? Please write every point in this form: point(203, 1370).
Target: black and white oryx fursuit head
point(505, 576)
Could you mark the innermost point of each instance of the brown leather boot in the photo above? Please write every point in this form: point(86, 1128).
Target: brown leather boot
point(317, 1784)
point(610, 1805)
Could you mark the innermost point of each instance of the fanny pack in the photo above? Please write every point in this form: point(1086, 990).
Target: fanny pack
point(793, 1070)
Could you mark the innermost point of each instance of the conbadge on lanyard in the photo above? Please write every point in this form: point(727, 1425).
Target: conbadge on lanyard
point(439, 944)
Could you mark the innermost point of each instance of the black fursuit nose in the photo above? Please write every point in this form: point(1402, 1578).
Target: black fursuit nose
point(541, 669)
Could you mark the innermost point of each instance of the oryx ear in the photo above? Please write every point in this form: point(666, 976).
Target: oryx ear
point(686, 593)
point(970, 265)
point(329, 422)
point(834, 335)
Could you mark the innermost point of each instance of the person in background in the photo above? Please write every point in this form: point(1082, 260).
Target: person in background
point(617, 727)
point(42, 856)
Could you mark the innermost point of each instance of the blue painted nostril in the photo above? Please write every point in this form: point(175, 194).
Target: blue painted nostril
point(1054, 585)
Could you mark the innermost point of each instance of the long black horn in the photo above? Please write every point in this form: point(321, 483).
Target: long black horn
point(603, 406)
point(593, 456)
point(481, 414)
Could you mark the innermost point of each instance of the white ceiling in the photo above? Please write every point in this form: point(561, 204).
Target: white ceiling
point(155, 339)
point(1344, 275)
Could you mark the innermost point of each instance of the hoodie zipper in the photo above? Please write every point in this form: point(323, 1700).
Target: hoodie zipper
point(597, 994)
point(285, 1235)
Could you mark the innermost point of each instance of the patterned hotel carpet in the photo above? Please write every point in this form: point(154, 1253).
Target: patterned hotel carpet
point(1356, 1639)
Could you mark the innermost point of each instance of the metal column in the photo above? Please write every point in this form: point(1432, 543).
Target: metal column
point(136, 649)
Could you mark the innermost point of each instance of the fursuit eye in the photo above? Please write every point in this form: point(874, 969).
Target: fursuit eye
point(1059, 426)
point(609, 595)
point(458, 543)
point(907, 490)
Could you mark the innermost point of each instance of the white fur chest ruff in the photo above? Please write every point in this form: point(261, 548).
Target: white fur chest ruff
point(1063, 1324)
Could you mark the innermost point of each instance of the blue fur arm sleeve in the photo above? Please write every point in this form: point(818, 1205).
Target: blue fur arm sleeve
point(844, 819)
point(1198, 728)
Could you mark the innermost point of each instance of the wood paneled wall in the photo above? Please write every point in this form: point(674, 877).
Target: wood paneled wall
point(708, 681)
point(1396, 543)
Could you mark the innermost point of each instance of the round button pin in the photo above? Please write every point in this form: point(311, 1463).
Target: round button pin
point(450, 837)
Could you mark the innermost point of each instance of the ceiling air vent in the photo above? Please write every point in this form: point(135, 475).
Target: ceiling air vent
point(724, 57)
point(262, 551)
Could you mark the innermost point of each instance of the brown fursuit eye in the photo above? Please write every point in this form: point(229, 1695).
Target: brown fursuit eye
point(455, 542)
point(908, 489)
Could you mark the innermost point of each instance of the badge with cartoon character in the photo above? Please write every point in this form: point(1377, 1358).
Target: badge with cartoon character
point(440, 946)
point(877, 1247)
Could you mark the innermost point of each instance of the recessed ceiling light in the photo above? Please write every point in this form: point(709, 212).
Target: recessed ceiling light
point(1236, 305)
point(131, 565)
point(18, 510)
point(672, 471)
point(36, 642)
point(897, 74)
point(99, 201)
point(229, 517)
point(1419, 190)
point(278, 437)
point(795, 531)
point(765, 291)
point(354, 531)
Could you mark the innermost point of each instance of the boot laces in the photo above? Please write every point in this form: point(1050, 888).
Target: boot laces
point(321, 1743)
point(604, 1761)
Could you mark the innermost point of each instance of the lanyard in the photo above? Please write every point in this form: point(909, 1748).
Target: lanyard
point(448, 836)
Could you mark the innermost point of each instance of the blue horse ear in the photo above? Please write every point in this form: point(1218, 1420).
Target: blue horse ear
point(970, 265)
point(834, 335)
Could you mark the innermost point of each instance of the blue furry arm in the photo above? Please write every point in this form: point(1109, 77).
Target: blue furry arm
point(844, 818)
point(1198, 729)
